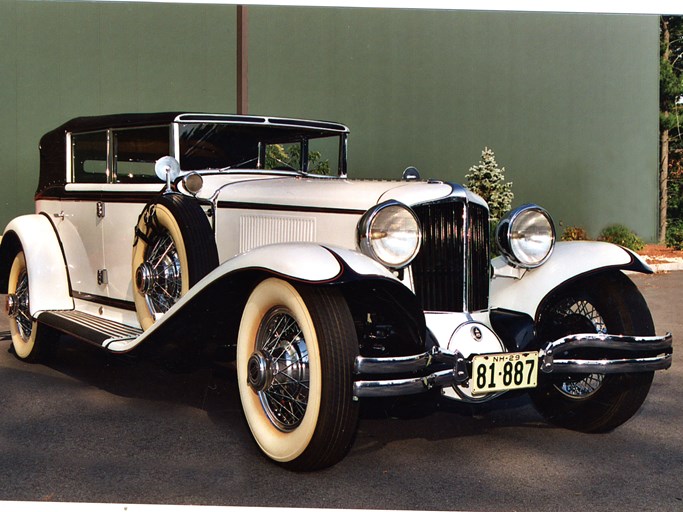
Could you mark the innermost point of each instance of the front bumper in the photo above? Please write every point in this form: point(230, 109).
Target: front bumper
point(577, 353)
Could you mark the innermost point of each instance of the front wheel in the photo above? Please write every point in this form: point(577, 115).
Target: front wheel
point(295, 354)
point(608, 303)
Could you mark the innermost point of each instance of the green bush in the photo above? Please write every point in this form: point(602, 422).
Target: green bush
point(674, 235)
point(621, 235)
point(571, 233)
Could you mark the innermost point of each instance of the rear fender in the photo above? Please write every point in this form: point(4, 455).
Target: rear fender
point(47, 271)
point(523, 291)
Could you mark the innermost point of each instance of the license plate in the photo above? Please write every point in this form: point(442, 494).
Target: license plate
point(502, 372)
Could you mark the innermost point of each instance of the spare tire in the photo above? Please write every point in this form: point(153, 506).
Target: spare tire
point(174, 248)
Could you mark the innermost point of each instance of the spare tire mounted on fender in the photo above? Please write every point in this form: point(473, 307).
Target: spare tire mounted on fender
point(174, 248)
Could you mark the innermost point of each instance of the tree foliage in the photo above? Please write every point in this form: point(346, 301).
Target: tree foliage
point(279, 156)
point(671, 71)
point(671, 110)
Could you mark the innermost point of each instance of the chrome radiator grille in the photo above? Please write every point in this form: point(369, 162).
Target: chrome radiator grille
point(451, 271)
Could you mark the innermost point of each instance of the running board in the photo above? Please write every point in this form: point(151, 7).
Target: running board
point(90, 328)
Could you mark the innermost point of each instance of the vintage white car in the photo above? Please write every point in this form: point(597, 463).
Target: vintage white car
point(199, 236)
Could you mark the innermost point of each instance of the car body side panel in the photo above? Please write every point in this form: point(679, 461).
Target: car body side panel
point(47, 271)
point(240, 229)
point(80, 232)
point(305, 262)
point(523, 291)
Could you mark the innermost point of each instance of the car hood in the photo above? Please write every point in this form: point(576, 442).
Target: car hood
point(322, 193)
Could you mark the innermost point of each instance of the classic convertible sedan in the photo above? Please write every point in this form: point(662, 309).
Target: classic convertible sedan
point(209, 236)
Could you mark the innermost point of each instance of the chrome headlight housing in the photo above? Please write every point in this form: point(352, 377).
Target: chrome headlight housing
point(526, 236)
point(390, 233)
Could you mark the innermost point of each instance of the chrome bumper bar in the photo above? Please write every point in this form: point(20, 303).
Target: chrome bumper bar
point(649, 353)
point(438, 368)
point(449, 369)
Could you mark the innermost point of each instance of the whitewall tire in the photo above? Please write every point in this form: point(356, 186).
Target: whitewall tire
point(295, 353)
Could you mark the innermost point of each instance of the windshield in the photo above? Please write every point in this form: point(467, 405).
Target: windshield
point(230, 146)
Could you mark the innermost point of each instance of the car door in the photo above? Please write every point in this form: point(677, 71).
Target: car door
point(79, 219)
point(133, 183)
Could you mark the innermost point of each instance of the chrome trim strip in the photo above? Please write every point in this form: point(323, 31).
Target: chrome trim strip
point(466, 254)
point(102, 325)
point(261, 120)
point(69, 178)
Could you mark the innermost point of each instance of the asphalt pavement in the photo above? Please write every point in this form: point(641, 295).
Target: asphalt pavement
point(93, 427)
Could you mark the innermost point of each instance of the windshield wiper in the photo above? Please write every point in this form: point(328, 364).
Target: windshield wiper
point(235, 166)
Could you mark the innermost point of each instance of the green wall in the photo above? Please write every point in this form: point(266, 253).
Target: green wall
point(61, 60)
point(568, 102)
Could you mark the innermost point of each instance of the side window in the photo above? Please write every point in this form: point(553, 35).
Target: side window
point(136, 150)
point(89, 157)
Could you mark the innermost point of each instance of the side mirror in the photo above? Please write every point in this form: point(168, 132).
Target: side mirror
point(167, 169)
point(411, 174)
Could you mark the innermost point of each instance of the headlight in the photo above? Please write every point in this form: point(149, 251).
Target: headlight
point(390, 233)
point(526, 236)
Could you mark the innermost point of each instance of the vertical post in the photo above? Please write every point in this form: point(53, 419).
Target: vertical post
point(242, 61)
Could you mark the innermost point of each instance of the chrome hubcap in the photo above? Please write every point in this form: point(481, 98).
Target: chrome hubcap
point(278, 370)
point(159, 277)
point(144, 278)
point(259, 372)
point(11, 306)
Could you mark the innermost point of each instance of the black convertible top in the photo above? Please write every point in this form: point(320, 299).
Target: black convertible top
point(53, 143)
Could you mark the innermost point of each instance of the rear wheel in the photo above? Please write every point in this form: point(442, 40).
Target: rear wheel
point(609, 303)
point(30, 340)
point(295, 354)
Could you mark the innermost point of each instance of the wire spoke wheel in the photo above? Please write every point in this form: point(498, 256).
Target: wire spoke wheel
point(581, 387)
point(281, 346)
point(575, 312)
point(604, 303)
point(23, 316)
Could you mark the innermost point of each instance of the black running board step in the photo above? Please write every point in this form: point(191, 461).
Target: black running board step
point(89, 327)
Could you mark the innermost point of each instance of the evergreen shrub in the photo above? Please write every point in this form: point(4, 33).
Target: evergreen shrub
point(488, 180)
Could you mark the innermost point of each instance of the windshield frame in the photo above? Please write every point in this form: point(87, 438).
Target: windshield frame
point(295, 131)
